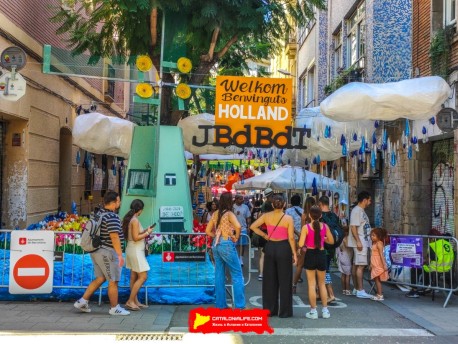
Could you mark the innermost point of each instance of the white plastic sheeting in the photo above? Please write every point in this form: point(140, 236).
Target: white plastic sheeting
point(102, 134)
point(190, 124)
point(328, 148)
point(419, 98)
point(293, 178)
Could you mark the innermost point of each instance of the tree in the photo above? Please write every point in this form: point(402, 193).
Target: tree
point(212, 33)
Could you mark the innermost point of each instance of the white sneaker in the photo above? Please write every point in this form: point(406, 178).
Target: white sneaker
point(82, 306)
point(118, 310)
point(312, 315)
point(363, 295)
point(326, 314)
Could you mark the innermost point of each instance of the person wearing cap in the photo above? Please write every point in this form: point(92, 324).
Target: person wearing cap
point(247, 202)
point(268, 194)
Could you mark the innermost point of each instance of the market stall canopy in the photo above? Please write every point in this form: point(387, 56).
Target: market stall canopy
point(189, 156)
point(419, 98)
point(293, 178)
point(101, 134)
point(326, 144)
point(190, 124)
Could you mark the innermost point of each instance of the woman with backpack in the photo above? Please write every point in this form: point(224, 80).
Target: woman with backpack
point(332, 220)
point(313, 237)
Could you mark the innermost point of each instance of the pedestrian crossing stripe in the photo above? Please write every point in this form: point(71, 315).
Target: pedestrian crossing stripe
point(337, 332)
point(255, 301)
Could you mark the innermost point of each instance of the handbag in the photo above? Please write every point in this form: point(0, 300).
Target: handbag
point(268, 238)
point(257, 240)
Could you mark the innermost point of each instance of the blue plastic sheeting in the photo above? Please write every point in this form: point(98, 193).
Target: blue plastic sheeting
point(69, 283)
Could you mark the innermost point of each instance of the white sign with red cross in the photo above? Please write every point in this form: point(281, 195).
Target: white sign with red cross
point(31, 262)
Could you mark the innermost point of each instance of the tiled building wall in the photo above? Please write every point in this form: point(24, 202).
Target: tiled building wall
point(421, 37)
point(321, 69)
point(392, 35)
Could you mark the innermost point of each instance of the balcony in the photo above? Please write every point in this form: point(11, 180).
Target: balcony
point(291, 46)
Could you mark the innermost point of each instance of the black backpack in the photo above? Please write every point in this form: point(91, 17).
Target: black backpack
point(332, 220)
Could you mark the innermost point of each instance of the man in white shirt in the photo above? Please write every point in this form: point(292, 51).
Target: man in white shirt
point(359, 239)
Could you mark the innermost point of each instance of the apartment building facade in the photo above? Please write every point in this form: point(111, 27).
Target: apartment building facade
point(42, 171)
point(376, 42)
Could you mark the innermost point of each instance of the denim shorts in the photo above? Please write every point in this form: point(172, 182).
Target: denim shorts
point(315, 259)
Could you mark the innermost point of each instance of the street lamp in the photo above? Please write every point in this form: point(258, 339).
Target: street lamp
point(285, 72)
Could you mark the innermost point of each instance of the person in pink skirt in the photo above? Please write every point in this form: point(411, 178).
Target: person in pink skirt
point(379, 269)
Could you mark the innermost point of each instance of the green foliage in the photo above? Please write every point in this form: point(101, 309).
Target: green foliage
point(346, 76)
point(439, 52)
point(122, 27)
point(241, 30)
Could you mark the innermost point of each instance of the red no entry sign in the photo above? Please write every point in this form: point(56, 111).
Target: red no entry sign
point(31, 271)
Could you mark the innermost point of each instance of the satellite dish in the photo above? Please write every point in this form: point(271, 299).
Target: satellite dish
point(447, 119)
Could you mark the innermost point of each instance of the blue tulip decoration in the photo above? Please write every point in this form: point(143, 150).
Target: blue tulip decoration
point(373, 158)
point(407, 128)
point(314, 187)
point(343, 140)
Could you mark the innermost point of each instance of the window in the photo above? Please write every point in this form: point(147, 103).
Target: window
point(449, 12)
point(310, 88)
point(302, 93)
point(356, 37)
point(111, 83)
point(306, 94)
point(304, 31)
point(338, 58)
point(138, 179)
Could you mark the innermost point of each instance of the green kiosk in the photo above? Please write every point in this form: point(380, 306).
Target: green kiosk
point(159, 179)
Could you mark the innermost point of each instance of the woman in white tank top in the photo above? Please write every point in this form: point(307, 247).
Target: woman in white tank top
point(135, 252)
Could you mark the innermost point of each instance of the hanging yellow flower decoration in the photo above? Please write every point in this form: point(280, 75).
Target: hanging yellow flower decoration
point(144, 90)
point(183, 91)
point(184, 65)
point(144, 63)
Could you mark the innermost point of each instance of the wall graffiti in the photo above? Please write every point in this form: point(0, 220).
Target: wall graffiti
point(443, 187)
